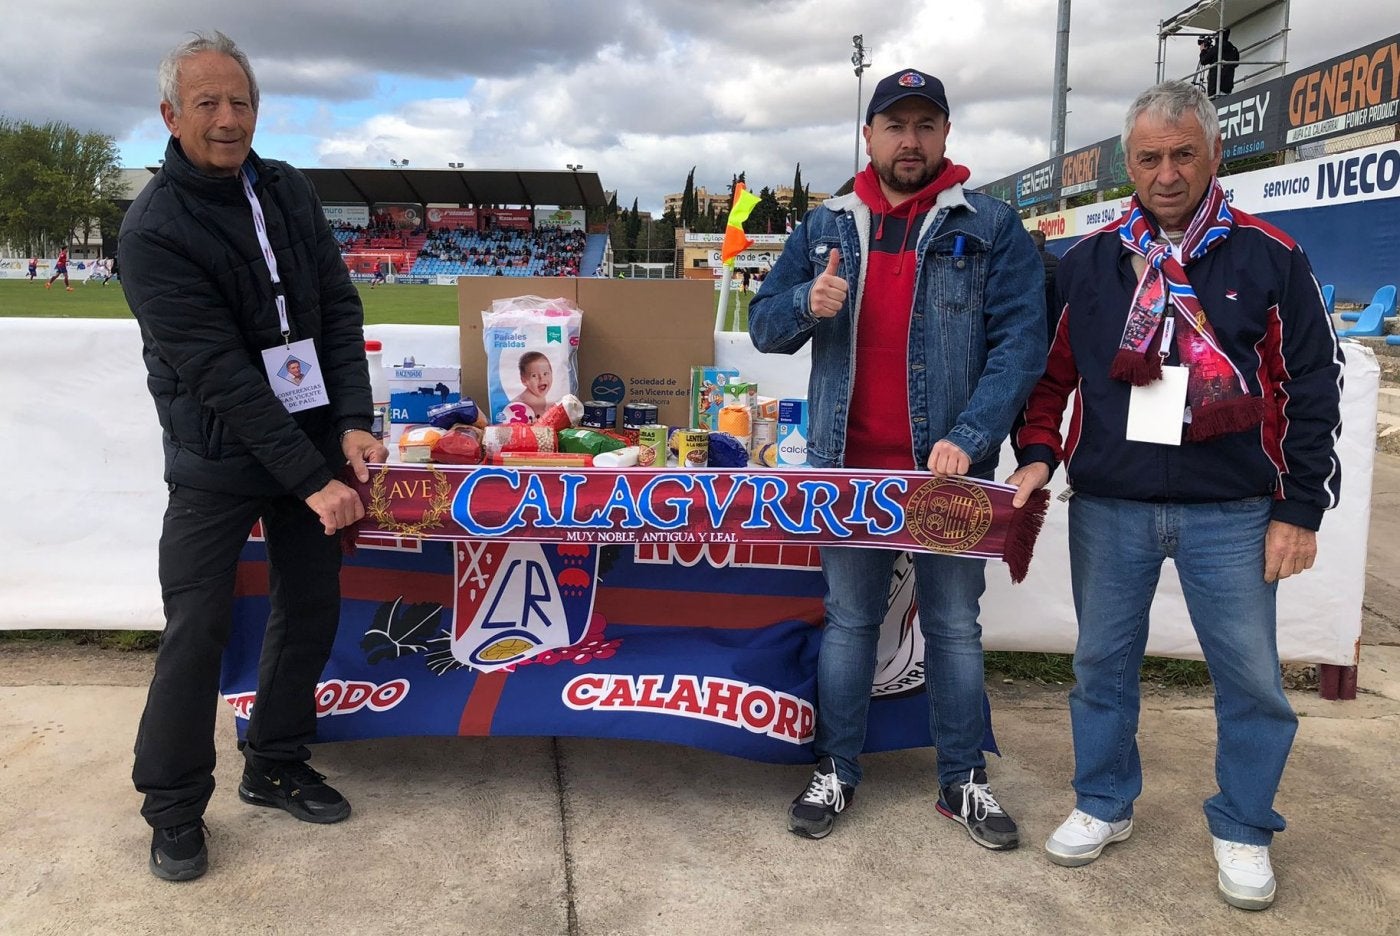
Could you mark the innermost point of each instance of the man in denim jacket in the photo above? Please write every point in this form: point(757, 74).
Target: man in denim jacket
point(925, 307)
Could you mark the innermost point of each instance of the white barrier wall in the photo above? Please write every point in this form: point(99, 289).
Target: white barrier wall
point(82, 496)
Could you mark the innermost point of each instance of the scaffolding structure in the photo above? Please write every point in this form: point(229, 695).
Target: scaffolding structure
point(1259, 28)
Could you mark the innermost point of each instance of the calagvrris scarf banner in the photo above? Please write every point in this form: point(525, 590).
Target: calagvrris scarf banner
point(670, 606)
point(909, 511)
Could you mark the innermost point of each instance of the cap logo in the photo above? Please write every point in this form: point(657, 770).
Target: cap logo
point(911, 80)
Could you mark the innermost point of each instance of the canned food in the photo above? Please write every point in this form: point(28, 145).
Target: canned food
point(692, 448)
point(599, 415)
point(765, 431)
point(637, 415)
point(652, 440)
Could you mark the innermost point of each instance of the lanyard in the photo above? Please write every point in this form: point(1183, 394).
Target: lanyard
point(260, 229)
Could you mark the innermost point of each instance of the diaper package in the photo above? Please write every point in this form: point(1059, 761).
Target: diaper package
point(531, 356)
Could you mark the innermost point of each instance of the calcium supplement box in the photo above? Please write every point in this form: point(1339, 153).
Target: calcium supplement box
point(414, 388)
point(792, 433)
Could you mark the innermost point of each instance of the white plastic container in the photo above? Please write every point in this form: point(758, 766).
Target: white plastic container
point(378, 387)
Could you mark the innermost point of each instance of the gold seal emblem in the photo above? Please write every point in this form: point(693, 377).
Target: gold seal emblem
point(438, 495)
point(948, 516)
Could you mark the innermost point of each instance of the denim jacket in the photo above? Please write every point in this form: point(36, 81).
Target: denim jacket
point(976, 337)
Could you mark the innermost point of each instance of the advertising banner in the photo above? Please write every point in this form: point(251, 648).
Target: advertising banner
point(508, 219)
point(405, 217)
point(1037, 184)
point(1353, 176)
point(566, 219)
point(1345, 94)
point(354, 215)
point(451, 218)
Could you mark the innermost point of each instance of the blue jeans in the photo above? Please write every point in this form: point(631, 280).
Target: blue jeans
point(858, 593)
point(1116, 548)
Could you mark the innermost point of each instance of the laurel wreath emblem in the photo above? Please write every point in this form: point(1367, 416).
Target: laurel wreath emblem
point(432, 517)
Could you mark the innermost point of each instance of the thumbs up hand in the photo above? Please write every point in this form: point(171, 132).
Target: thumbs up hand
point(828, 293)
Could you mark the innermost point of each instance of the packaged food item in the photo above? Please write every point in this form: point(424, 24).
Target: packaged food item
point(542, 460)
point(598, 415)
point(531, 355)
point(637, 415)
point(416, 443)
point(460, 445)
point(692, 448)
point(736, 419)
point(463, 412)
point(652, 442)
point(618, 458)
point(767, 455)
point(792, 433)
point(588, 441)
point(518, 438)
point(725, 451)
point(563, 415)
point(707, 394)
point(414, 389)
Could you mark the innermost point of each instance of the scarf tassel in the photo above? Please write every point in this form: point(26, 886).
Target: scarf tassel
point(1136, 368)
point(1022, 529)
point(1224, 417)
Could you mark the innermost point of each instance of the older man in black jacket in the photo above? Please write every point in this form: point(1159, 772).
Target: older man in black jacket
point(233, 273)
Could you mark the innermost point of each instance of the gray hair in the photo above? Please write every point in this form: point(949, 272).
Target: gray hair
point(168, 77)
point(1170, 101)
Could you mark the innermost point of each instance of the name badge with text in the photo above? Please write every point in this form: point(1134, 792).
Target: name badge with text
point(295, 375)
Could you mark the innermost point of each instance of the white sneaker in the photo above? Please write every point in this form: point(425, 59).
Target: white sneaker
point(1081, 838)
point(1246, 878)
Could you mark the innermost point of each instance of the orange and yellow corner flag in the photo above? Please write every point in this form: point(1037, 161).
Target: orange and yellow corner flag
point(735, 240)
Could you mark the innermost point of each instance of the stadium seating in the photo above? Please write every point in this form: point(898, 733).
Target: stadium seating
point(1384, 297)
point(500, 253)
point(1329, 293)
point(1370, 320)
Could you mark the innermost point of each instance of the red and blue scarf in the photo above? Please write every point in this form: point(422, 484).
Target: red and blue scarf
point(1218, 400)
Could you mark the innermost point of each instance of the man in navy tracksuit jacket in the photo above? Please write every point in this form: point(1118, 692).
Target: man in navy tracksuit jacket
point(1234, 500)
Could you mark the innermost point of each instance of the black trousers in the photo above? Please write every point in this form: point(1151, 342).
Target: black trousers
point(203, 534)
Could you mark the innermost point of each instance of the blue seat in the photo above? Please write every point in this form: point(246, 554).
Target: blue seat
point(1392, 339)
point(1384, 298)
point(1328, 297)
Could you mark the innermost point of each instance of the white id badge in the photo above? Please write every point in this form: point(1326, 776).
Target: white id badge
point(1155, 412)
point(295, 375)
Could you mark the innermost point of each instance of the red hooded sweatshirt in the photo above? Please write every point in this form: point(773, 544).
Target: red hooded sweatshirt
point(878, 429)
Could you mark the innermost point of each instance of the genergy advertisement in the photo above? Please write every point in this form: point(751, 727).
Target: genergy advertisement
point(1345, 94)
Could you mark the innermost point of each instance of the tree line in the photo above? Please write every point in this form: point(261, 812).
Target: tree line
point(57, 185)
point(637, 239)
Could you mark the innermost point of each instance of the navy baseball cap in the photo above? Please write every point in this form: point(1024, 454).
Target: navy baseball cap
point(909, 82)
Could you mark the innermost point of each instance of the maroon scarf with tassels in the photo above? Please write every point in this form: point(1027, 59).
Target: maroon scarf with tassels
point(1218, 400)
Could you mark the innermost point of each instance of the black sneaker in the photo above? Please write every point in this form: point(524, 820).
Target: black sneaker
point(973, 805)
point(178, 852)
point(813, 813)
point(295, 787)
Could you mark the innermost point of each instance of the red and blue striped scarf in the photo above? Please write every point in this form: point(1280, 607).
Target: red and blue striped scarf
point(1218, 400)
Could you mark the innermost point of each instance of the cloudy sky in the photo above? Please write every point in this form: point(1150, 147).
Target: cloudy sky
point(638, 90)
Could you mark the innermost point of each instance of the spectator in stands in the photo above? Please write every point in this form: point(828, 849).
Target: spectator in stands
point(1051, 264)
point(202, 306)
point(1230, 479)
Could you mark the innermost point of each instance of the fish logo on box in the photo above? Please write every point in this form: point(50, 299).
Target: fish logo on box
point(516, 601)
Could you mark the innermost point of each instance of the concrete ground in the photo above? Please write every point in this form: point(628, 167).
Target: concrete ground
point(526, 836)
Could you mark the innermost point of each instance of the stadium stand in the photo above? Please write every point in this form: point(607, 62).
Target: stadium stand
point(500, 253)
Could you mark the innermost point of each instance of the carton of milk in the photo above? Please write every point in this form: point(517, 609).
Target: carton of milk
point(413, 389)
point(792, 433)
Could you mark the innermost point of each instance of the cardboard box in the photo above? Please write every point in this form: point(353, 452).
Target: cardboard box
point(639, 339)
point(414, 390)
